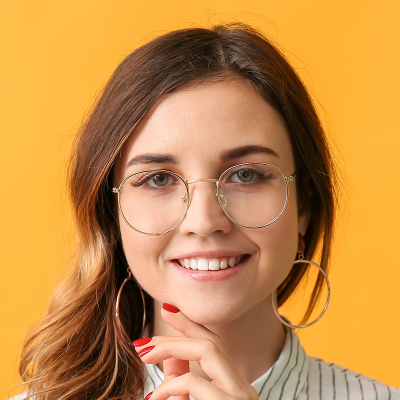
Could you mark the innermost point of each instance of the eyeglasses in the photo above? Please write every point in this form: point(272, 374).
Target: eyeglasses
point(252, 195)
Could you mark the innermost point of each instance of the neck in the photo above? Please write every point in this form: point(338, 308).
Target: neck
point(253, 341)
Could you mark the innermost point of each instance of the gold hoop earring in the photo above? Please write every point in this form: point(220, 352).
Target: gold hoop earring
point(275, 302)
point(119, 298)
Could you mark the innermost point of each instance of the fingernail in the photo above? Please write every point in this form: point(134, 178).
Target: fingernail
point(145, 351)
point(170, 308)
point(148, 396)
point(142, 342)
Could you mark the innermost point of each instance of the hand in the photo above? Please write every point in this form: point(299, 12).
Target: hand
point(201, 345)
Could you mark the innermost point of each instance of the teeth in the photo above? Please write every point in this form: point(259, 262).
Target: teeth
point(202, 264)
point(215, 264)
point(193, 263)
point(232, 262)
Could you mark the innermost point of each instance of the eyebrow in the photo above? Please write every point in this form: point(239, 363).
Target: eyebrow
point(150, 158)
point(154, 158)
point(244, 151)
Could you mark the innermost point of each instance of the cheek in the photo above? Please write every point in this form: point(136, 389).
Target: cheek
point(143, 256)
point(278, 246)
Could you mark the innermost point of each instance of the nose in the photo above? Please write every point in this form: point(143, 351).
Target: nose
point(204, 215)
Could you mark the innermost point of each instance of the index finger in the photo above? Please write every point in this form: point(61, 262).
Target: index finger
point(189, 328)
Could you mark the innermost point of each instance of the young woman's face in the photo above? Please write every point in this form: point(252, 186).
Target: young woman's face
point(193, 133)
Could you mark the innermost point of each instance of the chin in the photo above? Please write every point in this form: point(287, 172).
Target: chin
point(210, 314)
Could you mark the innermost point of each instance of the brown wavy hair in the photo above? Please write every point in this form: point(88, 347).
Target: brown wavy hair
point(78, 351)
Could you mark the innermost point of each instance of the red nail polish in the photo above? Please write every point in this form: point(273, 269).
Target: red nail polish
point(170, 308)
point(145, 351)
point(142, 342)
point(148, 396)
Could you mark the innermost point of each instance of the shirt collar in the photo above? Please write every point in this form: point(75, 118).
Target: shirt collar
point(283, 381)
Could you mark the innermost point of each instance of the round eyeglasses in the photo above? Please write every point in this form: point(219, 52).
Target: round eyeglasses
point(252, 195)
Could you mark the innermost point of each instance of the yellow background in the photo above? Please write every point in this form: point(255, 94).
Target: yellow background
point(57, 54)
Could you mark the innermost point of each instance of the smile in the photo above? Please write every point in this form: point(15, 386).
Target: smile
point(213, 264)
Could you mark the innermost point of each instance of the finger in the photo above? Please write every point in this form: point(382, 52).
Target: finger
point(191, 384)
point(174, 368)
point(191, 329)
point(213, 358)
point(145, 342)
point(183, 324)
point(207, 355)
point(139, 344)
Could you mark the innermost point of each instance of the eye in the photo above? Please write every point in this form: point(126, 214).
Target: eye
point(245, 175)
point(159, 180)
point(153, 180)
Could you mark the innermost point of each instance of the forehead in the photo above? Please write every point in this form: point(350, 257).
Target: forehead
point(197, 124)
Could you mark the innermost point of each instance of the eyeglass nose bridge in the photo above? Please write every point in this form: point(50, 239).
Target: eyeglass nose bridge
point(203, 180)
point(218, 194)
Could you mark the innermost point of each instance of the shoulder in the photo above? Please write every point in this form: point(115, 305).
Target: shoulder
point(331, 381)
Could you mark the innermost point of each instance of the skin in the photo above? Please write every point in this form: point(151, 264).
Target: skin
point(223, 326)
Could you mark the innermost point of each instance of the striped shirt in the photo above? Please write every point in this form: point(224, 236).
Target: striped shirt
point(298, 376)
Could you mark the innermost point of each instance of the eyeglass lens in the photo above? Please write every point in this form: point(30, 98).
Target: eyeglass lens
point(252, 195)
point(153, 202)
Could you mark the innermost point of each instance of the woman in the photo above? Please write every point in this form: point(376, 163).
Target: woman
point(202, 185)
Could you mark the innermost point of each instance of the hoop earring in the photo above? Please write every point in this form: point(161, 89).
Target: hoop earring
point(275, 302)
point(119, 298)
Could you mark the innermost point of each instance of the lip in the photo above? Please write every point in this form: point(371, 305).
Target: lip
point(210, 276)
point(209, 254)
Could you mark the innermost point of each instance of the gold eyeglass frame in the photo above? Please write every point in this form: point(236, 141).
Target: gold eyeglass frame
point(219, 195)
